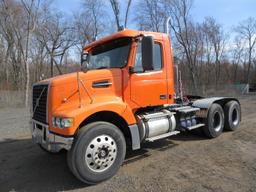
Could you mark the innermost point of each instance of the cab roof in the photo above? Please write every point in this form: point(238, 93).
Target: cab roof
point(121, 34)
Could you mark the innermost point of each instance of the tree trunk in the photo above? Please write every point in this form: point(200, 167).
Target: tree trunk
point(51, 63)
point(127, 13)
point(27, 84)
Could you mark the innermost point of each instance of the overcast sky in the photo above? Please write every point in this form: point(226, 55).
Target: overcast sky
point(226, 12)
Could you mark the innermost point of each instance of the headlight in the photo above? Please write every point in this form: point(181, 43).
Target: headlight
point(57, 121)
point(67, 122)
point(62, 122)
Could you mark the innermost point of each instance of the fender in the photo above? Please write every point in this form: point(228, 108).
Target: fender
point(80, 114)
point(206, 103)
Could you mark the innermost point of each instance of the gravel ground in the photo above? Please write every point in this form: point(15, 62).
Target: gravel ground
point(14, 123)
point(186, 162)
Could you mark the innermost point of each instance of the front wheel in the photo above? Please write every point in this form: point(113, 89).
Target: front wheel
point(97, 153)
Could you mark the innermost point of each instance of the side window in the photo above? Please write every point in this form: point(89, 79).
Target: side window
point(157, 58)
point(138, 58)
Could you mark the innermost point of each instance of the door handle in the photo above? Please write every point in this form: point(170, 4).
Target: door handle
point(162, 97)
point(101, 84)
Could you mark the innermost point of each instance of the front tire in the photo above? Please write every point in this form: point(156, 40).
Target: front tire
point(97, 153)
point(214, 122)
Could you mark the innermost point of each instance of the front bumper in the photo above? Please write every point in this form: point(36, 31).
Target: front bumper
point(49, 141)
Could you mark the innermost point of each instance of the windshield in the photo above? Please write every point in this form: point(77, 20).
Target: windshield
point(112, 54)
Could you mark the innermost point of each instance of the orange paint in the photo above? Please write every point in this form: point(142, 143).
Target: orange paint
point(126, 94)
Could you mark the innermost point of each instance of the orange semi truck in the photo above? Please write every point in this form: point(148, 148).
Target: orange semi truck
point(123, 96)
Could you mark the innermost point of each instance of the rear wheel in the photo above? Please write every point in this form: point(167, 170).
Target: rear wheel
point(232, 111)
point(215, 121)
point(97, 153)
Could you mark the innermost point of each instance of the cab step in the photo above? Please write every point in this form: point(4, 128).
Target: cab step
point(194, 127)
point(187, 110)
point(151, 139)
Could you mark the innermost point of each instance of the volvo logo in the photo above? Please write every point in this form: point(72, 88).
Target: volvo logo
point(37, 101)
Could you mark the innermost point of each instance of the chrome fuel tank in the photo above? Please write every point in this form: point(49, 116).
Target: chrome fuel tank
point(155, 123)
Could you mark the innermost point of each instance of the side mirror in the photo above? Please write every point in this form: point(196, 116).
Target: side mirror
point(84, 61)
point(131, 70)
point(147, 50)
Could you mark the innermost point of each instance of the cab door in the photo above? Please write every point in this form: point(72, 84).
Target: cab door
point(149, 88)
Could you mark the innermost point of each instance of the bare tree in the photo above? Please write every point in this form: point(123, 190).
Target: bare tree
point(237, 57)
point(90, 23)
point(31, 14)
point(36, 39)
point(195, 44)
point(186, 34)
point(127, 13)
point(94, 9)
point(11, 26)
point(151, 15)
point(16, 26)
point(4, 72)
point(115, 4)
point(84, 30)
point(57, 36)
point(116, 9)
point(217, 40)
point(208, 56)
point(247, 31)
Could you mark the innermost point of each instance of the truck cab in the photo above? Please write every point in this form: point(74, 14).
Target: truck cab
point(123, 96)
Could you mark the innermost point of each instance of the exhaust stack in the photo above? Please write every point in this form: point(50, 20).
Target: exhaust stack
point(166, 25)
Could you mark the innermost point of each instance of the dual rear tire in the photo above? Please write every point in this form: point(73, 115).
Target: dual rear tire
point(219, 118)
point(232, 111)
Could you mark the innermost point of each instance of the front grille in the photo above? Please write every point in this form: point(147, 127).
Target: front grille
point(39, 112)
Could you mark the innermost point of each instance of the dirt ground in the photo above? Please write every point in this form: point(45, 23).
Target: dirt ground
point(186, 162)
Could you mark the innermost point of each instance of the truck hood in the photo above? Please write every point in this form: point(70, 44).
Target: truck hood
point(91, 75)
point(63, 92)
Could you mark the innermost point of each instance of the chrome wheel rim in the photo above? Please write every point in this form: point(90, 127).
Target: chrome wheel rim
point(217, 121)
point(101, 153)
